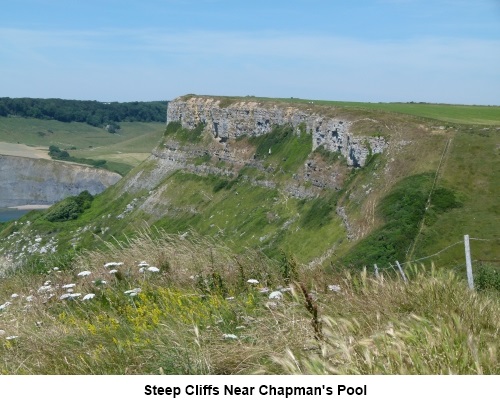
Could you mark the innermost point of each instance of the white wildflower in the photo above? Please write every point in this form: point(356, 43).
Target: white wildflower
point(113, 271)
point(276, 295)
point(230, 298)
point(286, 289)
point(29, 298)
point(11, 337)
point(88, 297)
point(264, 290)
point(153, 269)
point(135, 291)
point(48, 282)
point(229, 336)
point(14, 295)
point(55, 268)
point(334, 287)
point(253, 281)
point(68, 286)
point(75, 295)
point(143, 264)
point(113, 264)
point(47, 298)
point(65, 296)
point(44, 288)
point(3, 306)
point(84, 273)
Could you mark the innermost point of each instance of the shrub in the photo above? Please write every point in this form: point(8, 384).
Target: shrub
point(487, 278)
point(175, 130)
point(69, 208)
point(402, 210)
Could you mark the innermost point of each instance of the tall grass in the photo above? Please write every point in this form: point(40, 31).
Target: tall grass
point(199, 314)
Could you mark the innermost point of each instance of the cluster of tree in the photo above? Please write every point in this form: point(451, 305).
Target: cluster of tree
point(94, 113)
point(69, 208)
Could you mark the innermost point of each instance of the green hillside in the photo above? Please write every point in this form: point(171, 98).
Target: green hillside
point(209, 216)
point(416, 199)
point(123, 149)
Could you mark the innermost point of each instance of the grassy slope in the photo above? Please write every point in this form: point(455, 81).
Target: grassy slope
point(471, 169)
point(433, 325)
point(180, 322)
point(253, 216)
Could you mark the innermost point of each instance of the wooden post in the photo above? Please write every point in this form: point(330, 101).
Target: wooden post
point(376, 270)
point(468, 262)
point(402, 272)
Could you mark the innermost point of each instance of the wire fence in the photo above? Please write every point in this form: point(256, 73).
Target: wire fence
point(467, 263)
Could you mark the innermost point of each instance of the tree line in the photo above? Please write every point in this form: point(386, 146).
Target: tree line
point(94, 113)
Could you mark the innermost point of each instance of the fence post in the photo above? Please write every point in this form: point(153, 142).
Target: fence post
point(468, 262)
point(402, 272)
point(376, 270)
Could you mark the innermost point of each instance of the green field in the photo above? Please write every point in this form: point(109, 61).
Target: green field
point(127, 148)
point(451, 113)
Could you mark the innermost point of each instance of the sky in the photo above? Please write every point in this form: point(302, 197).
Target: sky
point(442, 51)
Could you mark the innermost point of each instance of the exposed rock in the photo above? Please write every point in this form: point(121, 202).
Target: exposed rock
point(342, 214)
point(25, 181)
point(254, 119)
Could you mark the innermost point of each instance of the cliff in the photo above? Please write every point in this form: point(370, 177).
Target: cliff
point(252, 118)
point(39, 181)
point(221, 150)
point(315, 180)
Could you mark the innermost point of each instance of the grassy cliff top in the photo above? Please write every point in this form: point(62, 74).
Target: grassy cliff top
point(453, 113)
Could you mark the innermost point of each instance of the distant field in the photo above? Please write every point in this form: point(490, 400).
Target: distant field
point(460, 114)
point(15, 149)
point(129, 147)
point(454, 113)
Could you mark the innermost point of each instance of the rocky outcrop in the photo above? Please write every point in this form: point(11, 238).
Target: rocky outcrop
point(39, 181)
point(252, 118)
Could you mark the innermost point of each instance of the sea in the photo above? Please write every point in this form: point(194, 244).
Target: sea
point(8, 214)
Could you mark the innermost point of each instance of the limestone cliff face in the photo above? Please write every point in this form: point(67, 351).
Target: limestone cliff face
point(39, 181)
point(252, 118)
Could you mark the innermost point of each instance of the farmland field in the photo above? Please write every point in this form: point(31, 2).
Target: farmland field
point(31, 137)
point(453, 113)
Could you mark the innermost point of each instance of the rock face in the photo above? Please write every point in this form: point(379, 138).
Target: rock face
point(39, 181)
point(252, 118)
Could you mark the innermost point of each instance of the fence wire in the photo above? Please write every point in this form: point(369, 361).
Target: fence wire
point(391, 267)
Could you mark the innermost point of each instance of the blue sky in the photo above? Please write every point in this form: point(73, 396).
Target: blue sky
point(445, 51)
